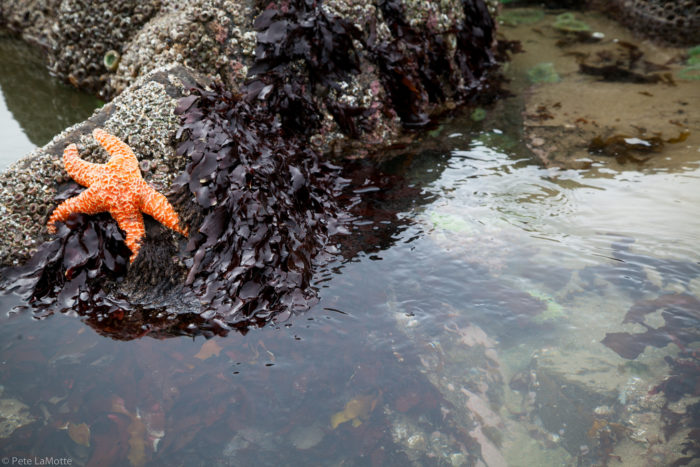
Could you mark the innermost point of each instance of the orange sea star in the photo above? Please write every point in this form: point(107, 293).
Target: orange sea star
point(117, 187)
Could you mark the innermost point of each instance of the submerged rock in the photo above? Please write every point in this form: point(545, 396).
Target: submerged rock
point(13, 415)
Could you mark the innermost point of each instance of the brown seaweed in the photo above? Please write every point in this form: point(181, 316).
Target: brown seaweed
point(625, 65)
point(639, 149)
point(265, 208)
point(681, 313)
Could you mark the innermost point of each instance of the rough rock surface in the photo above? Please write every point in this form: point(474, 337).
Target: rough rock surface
point(409, 61)
point(675, 23)
point(218, 38)
point(143, 117)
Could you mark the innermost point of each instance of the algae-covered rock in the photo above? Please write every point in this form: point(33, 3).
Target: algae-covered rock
point(394, 81)
point(356, 100)
point(143, 116)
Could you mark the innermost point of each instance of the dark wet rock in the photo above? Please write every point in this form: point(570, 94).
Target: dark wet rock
point(410, 60)
point(259, 199)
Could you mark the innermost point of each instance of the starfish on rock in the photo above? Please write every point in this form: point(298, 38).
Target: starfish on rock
point(116, 187)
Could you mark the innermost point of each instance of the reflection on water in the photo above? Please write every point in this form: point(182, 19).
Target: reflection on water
point(33, 107)
point(473, 335)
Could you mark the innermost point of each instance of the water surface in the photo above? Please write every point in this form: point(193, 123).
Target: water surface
point(34, 107)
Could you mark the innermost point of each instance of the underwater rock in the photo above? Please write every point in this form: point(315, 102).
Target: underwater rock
point(306, 437)
point(13, 415)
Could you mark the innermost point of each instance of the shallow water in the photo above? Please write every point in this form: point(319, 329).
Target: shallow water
point(473, 333)
point(34, 107)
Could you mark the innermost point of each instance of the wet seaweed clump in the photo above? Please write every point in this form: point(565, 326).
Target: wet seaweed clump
point(626, 64)
point(264, 208)
point(69, 272)
point(83, 268)
point(625, 148)
point(304, 52)
point(681, 313)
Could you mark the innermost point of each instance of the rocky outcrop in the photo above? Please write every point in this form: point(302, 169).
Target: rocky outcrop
point(348, 75)
point(143, 116)
point(296, 81)
point(410, 59)
point(673, 23)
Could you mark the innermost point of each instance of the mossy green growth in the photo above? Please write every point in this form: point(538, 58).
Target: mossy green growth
point(553, 311)
point(435, 133)
point(693, 56)
point(691, 72)
point(449, 222)
point(519, 16)
point(543, 73)
point(478, 114)
point(567, 22)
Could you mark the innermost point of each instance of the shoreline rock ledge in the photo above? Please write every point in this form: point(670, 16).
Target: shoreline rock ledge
point(367, 71)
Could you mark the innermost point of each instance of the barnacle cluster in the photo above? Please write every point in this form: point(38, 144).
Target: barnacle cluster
point(672, 22)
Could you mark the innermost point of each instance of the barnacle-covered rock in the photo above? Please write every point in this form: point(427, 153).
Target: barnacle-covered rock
point(411, 60)
point(148, 105)
point(676, 23)
point(260, 201)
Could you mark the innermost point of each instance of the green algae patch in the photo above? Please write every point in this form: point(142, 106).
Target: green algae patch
point(693, 55)
point(498, 141)
point(690, 72)
point(449, 222)
point(567, 22)
point(478, 114)
point(554, 310)
point(520, 16)
point(543, 73)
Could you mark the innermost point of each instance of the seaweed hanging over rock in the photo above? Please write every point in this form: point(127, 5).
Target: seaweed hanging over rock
point(264, 207)
point(260, 201)
point(302, 50)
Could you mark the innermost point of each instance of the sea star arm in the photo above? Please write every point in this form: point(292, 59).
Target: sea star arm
point(87, 202)
point(157, 206)
point(122, 158)
point(83, 172)
point(130, 220)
